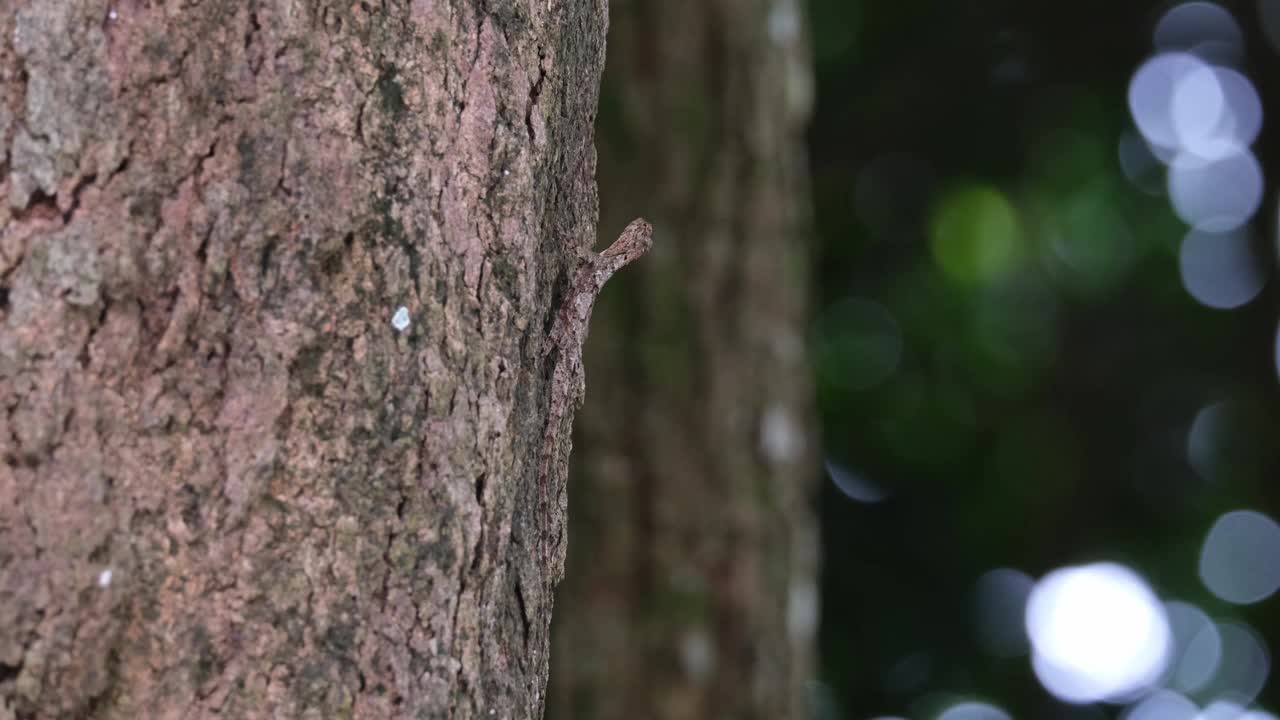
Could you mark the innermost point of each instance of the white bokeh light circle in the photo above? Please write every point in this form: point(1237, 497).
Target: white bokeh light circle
point(1219, 270)
point(1221, 709)
point(1197, 648)
point(1000, 601)
point(1245, 664)
point(1199, 104)
point(1098, 633)
point(1151, 92)
point(1203, 27)
point(854, 485)
point(1218, 188)
point(1242, 116)
point(973, 711)
point(1162, 705)
point(1240, 558)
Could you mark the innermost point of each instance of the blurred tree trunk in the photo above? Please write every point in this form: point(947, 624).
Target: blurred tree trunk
point(229, 485)
point(691, 584)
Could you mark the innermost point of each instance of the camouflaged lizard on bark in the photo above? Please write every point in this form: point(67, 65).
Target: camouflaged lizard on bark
point(568, 382)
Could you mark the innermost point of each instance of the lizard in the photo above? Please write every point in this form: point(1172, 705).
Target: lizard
point(568, 380)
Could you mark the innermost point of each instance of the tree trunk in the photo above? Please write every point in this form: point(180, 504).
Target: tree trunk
point(233, 482)
point(691, 589)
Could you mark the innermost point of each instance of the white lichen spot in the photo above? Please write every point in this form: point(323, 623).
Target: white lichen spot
point(780, 439)
point(697, 656)
point(784, 23)
point(104, 578)
point(400, 321)
point(788, 347)
point(506, 173)
point(802, 610)
point(112, 15)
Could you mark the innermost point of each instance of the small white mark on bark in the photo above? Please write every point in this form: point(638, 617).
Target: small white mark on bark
point(780, 439)
point(104, 578)
point(787, 347)
point(400, 321)
point(802, 610)
point(112, 15)
point(784, 23)
point(696, 654)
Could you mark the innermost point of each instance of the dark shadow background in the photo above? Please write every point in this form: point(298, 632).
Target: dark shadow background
point(1032, 420)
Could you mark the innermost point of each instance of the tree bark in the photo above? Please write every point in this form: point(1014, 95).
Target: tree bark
point(691, 590)
point(230, 485)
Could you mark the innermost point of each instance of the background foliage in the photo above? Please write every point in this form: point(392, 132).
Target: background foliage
point(1010, 367)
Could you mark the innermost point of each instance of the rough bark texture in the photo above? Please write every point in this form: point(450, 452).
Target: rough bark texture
point(228, 485)
point(691, 584)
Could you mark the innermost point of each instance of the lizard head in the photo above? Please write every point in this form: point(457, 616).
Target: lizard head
point(634, 241)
